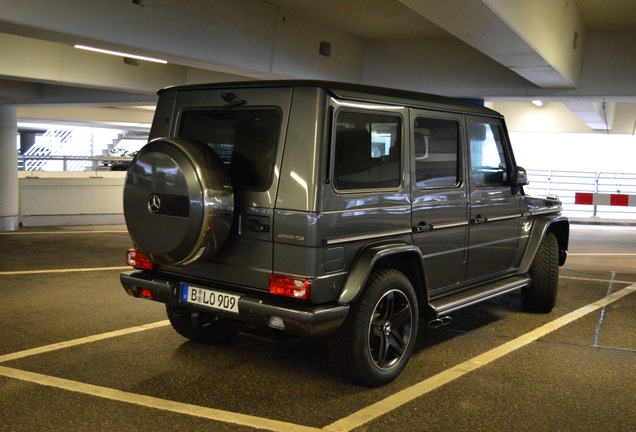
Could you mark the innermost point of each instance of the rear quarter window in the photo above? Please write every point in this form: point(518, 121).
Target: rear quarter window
point(367, 151)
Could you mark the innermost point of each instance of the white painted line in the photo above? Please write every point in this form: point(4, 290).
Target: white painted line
point(72, 270)
point(345, 424)
point(156, 403)
point(18, 233)
point(576, 278)
point(81, 341)
point(396, 400)
point(602, 254)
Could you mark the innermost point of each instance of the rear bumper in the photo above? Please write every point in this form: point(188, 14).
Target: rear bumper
point(298, 319)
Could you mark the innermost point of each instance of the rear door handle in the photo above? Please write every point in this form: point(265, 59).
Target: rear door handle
point(478, 220)
point(422, 227)
point(255, 225)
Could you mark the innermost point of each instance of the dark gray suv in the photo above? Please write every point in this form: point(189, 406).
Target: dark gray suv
point(301, 208)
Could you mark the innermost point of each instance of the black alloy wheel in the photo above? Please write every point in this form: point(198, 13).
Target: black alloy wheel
point(378, 336)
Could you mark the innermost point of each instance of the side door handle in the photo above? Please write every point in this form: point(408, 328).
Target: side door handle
point(478, 220)
point(255, 225)
point(422, 227)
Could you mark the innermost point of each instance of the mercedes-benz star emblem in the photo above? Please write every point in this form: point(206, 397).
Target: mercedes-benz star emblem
point(154, 204)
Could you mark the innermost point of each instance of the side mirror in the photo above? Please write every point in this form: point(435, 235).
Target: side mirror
point(521, 177)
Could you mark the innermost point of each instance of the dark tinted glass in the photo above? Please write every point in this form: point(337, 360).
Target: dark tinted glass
point(245, 139)
point(436, 144)
point(367, 151)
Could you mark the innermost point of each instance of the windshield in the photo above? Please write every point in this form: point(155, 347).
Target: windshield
point(245, 139)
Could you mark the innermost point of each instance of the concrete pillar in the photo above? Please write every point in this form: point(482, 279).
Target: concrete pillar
point(9, 207)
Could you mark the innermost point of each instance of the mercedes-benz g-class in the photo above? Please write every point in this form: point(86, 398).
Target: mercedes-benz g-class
point(306, 208)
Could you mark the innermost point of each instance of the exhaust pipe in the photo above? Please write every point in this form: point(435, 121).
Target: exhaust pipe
point(442, 321)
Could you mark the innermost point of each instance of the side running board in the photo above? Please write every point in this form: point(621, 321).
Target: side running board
point(475, 295)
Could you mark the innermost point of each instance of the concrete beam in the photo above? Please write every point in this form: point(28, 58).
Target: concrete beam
point(596, 115)
point(19, 90)
point(131, 118)
point(246, 38)
point(541, 40)
point(36, 60)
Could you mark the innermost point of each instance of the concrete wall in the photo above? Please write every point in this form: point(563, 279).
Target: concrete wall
point(65, 198)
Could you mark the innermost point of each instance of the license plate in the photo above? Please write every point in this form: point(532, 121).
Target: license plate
point(209, 298)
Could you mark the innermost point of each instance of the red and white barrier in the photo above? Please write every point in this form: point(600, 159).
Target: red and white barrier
point(589, 198)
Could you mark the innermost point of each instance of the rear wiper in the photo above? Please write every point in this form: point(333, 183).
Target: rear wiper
point(235, 103)
point(230, 98)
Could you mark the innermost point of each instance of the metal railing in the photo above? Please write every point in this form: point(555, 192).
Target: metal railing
point(69, 163)
point(565, 184)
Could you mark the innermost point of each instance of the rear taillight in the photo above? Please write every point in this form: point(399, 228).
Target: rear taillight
point(136, 259)
point(290, 287)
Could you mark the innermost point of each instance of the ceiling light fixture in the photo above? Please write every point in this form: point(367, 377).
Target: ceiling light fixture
point(121, 54)
point(537, 103)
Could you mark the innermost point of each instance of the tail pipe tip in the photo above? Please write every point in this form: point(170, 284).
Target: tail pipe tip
point(441, 321)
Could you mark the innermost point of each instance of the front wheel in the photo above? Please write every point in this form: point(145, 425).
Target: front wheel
point(541, 293)
point(201, 328)
point(377, 338)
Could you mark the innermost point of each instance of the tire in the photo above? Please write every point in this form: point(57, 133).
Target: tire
point(200, 328)
point(178, 201)
point(541, 293)
point(376, 340)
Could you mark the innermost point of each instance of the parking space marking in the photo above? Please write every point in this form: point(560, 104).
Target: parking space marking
point(153, 402)
point(603, 280)
point(71, 270)
point(398, 399)
point(346, 424)
point(602, 254)
point(81, 341)
point(14, 233)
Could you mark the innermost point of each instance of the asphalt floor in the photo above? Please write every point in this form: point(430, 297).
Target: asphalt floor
point(78, 354)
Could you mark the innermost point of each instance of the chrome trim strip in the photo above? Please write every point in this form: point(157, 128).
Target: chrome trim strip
point(449, 225)
point(338, 240)
point(546, 210)
point(362, 208)
point(494, 219)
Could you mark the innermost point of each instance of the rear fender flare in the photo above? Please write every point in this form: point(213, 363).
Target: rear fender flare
point(368, 259)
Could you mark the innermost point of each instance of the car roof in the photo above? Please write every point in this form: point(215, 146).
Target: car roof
point(357, 92)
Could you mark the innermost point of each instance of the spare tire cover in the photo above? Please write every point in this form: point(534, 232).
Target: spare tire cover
point(178, 201)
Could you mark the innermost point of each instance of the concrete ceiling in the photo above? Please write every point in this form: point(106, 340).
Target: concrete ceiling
point(578, 52)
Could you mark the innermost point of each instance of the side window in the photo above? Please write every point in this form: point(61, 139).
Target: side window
point(367, 151)
point(487, 155)
point(436, 145)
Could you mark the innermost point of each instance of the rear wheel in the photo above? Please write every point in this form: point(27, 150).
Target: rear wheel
point(541, 293)
point(377, 338)
point(199, 327)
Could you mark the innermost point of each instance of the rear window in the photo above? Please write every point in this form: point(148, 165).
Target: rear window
point(245, 139)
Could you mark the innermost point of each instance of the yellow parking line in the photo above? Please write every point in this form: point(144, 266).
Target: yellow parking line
point(396, 400)
point(605, 280)
point(18, 233)
point(71, 270)
point(153, 402)
point(345, 424)
point(602, 254)
point(81, 341)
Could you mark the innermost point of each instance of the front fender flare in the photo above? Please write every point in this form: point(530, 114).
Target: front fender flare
point(559, 225)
